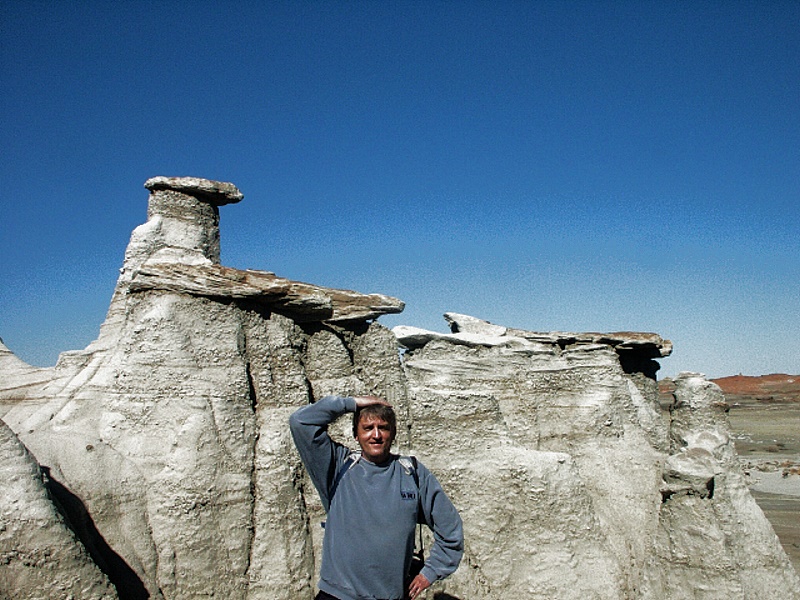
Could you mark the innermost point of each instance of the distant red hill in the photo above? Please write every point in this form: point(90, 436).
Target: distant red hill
point(775, 388)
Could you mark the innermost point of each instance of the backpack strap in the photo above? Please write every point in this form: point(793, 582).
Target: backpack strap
point(411, 467)
point(348, 464)
point(409, 464)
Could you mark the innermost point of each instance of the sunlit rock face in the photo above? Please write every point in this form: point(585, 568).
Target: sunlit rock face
point(712, 534)
point(571, 482)
point(170, 472)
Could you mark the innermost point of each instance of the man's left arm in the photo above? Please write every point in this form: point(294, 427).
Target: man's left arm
point(443, 519)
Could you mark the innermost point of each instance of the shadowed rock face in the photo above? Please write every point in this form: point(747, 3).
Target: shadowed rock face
point(40, 556)
point(167, 446)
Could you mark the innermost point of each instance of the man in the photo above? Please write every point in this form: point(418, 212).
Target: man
point(373, 503)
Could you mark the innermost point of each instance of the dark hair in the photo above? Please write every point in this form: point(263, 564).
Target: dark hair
point(380, 411)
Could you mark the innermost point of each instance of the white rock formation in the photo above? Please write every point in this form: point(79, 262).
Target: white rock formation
point(571, 483)
point(734, 554)
point(171, 427)
point(169, 459)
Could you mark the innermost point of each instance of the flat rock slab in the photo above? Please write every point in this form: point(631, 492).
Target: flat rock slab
point(218, 193)
point(299, 299)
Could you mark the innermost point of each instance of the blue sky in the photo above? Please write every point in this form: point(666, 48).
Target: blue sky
point(574, 166)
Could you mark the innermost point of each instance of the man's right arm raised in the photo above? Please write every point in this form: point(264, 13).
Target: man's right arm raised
point(320, 454)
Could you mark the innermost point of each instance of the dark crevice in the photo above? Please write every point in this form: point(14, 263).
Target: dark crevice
point(564, 343)
point(666, 494)
point(122, 576)
point(634, 362)
point(251, 388)
point(311, 328)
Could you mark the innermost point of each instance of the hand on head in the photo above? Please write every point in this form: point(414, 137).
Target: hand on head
point(362, 401)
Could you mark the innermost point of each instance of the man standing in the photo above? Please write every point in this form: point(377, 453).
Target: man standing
point(374, 501)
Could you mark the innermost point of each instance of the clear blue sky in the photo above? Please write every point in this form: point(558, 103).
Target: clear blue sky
point(574, 166)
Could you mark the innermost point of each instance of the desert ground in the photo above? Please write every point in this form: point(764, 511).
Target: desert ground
point(768, 440)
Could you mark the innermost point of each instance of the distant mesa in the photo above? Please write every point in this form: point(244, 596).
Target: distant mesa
point(762, 385)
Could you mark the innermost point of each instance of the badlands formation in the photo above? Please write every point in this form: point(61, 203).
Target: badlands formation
point(157, 462)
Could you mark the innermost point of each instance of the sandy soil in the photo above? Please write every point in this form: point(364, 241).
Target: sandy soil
point(768, 440)
point(784, 514)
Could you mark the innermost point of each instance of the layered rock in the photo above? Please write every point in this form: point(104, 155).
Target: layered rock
point(557, 454)
point(167, 448)
point(574, 485)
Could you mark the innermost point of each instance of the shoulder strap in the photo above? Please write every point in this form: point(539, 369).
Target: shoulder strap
point(411, 467)
point(420, 513)
point(348, 464)
point(409, 464)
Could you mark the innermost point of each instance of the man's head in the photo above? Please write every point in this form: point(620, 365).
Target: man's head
point(375, 427)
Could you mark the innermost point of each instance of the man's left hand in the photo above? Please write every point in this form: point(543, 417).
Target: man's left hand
point(418, 585)
point(362, 401)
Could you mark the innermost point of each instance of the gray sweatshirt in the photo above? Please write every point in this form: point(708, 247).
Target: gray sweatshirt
point(369, 533)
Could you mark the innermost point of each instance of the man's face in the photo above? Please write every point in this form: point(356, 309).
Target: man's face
point(375, 436)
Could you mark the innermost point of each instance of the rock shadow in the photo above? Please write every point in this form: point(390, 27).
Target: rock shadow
point(122, 576)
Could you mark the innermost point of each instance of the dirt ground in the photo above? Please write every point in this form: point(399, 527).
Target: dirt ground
point(767, 437)
point(784, 513)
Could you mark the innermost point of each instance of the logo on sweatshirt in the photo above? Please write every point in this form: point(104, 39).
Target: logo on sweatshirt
point(408, 494)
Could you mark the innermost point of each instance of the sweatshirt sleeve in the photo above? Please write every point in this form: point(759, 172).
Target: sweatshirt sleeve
point(443, 519)
point(320, 454)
